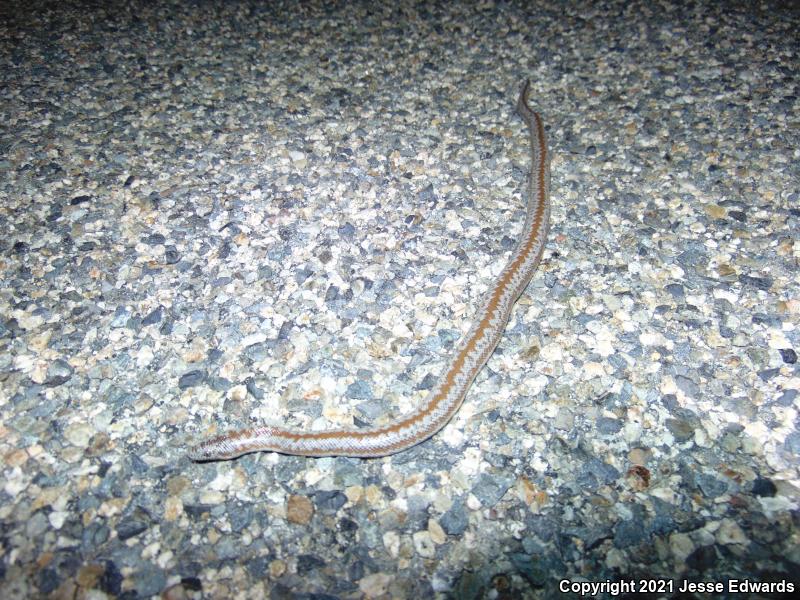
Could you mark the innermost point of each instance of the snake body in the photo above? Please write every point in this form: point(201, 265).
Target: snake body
point(444, 400)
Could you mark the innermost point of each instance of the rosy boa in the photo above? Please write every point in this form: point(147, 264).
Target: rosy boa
point(471, 355)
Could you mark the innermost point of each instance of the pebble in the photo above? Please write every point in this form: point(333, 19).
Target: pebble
point(455, 521)
point(79, 434)
point(423, 544)
point(299, 509)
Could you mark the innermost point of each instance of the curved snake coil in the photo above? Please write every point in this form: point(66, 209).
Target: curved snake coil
point(471, 354)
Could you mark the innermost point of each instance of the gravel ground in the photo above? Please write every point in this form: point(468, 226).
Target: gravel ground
point(219, 214)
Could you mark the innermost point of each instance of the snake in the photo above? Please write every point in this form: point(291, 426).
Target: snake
point(470, 355)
